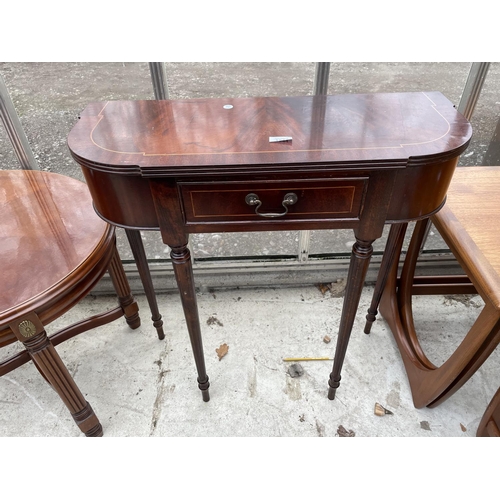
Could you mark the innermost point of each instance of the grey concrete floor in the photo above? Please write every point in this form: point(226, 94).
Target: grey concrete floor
point(140, 386)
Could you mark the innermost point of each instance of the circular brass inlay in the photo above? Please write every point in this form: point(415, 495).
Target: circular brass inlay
point(27, 328)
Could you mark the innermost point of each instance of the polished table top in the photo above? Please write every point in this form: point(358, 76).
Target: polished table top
point(40, 245)
point(418, 136)
point(183, 137)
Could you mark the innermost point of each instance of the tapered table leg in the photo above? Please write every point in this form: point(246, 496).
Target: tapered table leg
point(181, 261)
point(135, 241)
point(396, 236)
point(360, 259)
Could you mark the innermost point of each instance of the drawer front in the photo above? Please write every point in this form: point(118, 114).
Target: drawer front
point(323, 199)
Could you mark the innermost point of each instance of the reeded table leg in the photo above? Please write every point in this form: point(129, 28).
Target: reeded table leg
point(181, 261)
point(135, 241)
point(30, 331)
point(169, 211)
point(122, 287)
point(50, 365)
point(360, 259)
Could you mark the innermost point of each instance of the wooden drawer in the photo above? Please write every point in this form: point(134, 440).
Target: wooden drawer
point(319, 199)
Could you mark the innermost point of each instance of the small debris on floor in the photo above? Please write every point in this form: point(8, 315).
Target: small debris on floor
point(295, 370)
point(464, 429)
point(222, 351)
point(336, 289)
point(212, 320)
point(466, 299)
point(380, 411)
point(320, 428)
point(326, 339)
point(343, 432)
point(302, 418)
point(323, 287)
point(425, 425)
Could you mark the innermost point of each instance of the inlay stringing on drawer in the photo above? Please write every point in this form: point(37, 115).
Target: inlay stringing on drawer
point(318, 199)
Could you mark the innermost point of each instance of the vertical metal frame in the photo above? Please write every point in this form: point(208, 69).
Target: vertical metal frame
point(320, 87)
point(321, 77)
point(159, 79)
point(472, 89)
point(15, 130)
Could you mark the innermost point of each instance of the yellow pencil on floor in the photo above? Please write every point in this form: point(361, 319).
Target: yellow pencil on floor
point(307, 359)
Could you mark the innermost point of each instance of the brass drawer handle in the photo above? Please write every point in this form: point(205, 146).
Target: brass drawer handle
point(289, 199)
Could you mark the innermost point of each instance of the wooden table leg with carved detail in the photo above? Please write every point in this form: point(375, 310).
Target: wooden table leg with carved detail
point(174, 235)
point(360, 260)
point(181, 261)
point(30, 331)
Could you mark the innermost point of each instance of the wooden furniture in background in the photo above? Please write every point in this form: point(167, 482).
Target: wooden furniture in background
point(269, 163)
point(490, 423)
point(53, 249)
point(468, 223)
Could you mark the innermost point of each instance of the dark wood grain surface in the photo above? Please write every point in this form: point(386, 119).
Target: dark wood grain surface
point(120, 145)
point(40, 244)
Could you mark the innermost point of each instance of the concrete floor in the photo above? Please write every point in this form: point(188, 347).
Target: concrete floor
point(141, 386)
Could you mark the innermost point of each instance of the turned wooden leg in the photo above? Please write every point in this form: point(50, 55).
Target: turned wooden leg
point(122, 287)
point(135, 241)
point(396, 235)
point(360, 259)
point(171, 220)
point(181, 261)
point(30, 331)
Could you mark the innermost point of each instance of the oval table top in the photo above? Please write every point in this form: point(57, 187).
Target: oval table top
point(48, 230)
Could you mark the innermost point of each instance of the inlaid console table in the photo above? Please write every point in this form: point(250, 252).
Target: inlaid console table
point(269, 163)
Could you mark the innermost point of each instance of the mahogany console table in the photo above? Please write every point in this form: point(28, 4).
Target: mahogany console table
point(269, 163)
